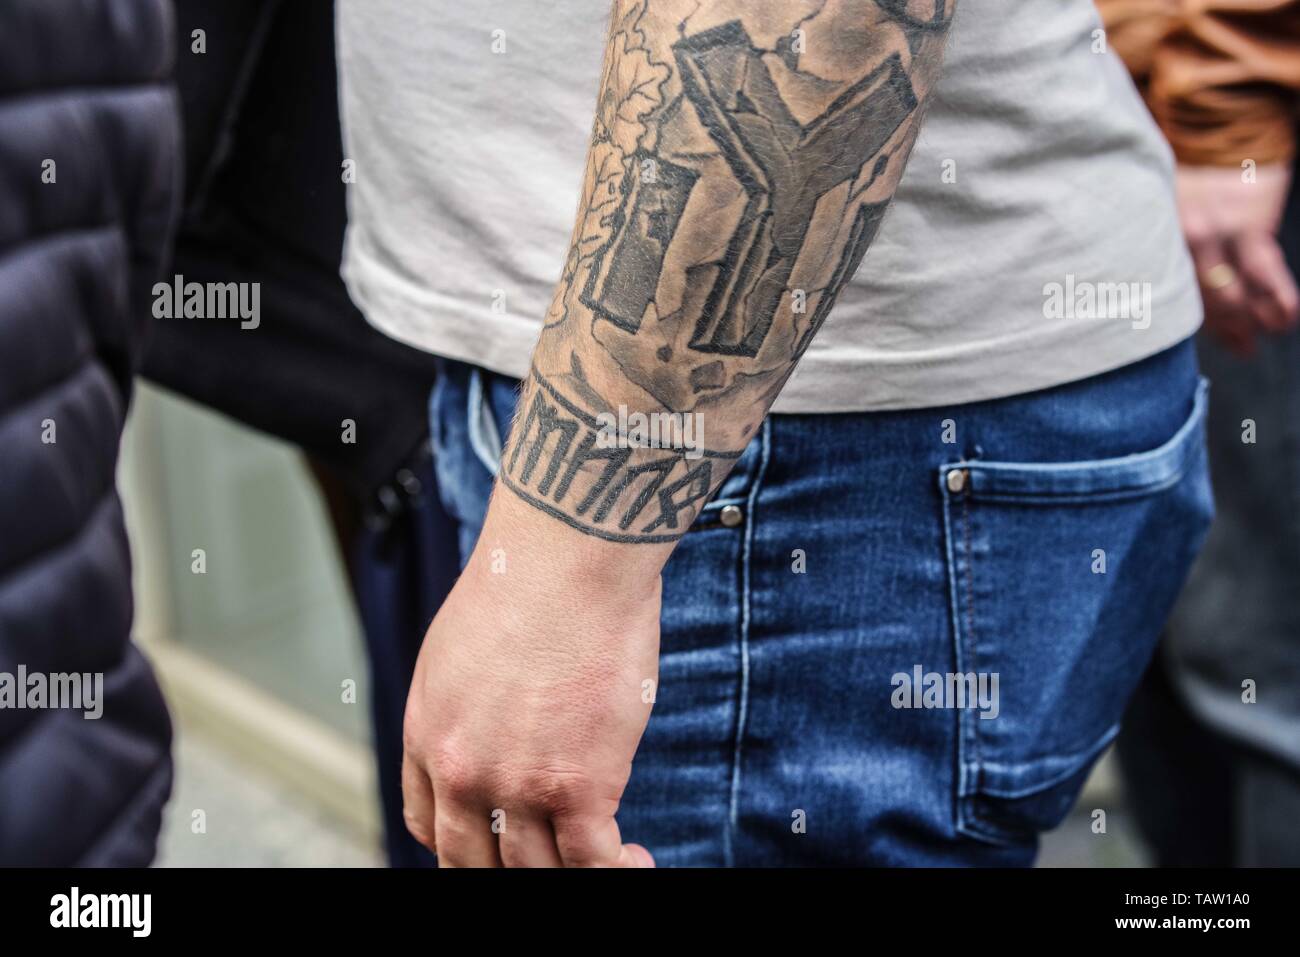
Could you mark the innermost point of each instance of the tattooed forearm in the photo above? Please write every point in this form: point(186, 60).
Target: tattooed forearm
point(742, 158)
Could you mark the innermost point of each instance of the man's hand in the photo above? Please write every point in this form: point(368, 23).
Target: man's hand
point(531, 692)
point(1231, 228)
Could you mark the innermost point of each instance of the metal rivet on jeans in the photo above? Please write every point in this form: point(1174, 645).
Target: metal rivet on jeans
point(731, 516)
point(957, 480)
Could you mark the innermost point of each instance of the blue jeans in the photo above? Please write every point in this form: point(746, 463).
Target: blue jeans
point(922, 633)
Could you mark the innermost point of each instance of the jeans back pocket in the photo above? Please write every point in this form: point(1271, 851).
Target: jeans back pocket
point(1060, 578)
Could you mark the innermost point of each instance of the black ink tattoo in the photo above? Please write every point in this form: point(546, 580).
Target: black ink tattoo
point(780, 164)
point(623, 494)
point(738, 172)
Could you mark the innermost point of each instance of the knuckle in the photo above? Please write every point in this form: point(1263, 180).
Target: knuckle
point(553, 791)
point(455, 770)
point(456, 779)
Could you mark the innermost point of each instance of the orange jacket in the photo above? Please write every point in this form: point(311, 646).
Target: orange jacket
point(1221, 77)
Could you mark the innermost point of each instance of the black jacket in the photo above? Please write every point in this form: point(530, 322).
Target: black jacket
point(89, 171)
point(265, 203)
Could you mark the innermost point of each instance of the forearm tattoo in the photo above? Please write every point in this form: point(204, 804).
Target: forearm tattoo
point(742, 158)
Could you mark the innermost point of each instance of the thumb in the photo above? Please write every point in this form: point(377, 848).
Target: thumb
point(634, 855)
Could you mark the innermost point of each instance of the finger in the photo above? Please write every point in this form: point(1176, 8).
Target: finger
point(528, 842)
point(1210, 255)
point(596, 842)
point(1270, 285)
point(418, 803)
point(1226, 315)
point(464, 835)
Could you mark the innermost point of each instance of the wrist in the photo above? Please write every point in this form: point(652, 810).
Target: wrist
point(521, 542)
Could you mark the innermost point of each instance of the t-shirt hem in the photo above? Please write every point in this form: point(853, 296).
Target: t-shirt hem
point(982, 372)
point(823, 383)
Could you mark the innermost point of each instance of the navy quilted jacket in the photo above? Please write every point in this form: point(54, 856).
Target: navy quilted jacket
point(88, 178)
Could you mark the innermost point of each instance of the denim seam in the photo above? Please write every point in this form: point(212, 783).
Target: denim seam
point(954, 611)
point(970, 766)
point(970, 621)
point(1124, 494)
point(742, 704)
point(993, 833)
point(1144, 472)
point(1070, 766)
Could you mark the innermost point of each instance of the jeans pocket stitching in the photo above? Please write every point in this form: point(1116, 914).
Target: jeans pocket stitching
point(967, 728)
point(1113, 479)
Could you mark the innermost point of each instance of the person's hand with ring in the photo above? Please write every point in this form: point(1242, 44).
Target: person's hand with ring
point(1231, 228)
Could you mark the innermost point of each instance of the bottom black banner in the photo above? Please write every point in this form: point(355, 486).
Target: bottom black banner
point(351, 907)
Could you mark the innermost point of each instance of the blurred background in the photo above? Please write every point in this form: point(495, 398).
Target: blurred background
point(260, 653)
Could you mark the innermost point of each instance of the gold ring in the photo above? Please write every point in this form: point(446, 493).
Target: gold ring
point(1219, 277)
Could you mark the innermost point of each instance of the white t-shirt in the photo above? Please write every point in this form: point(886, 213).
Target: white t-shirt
point(1033, 240)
